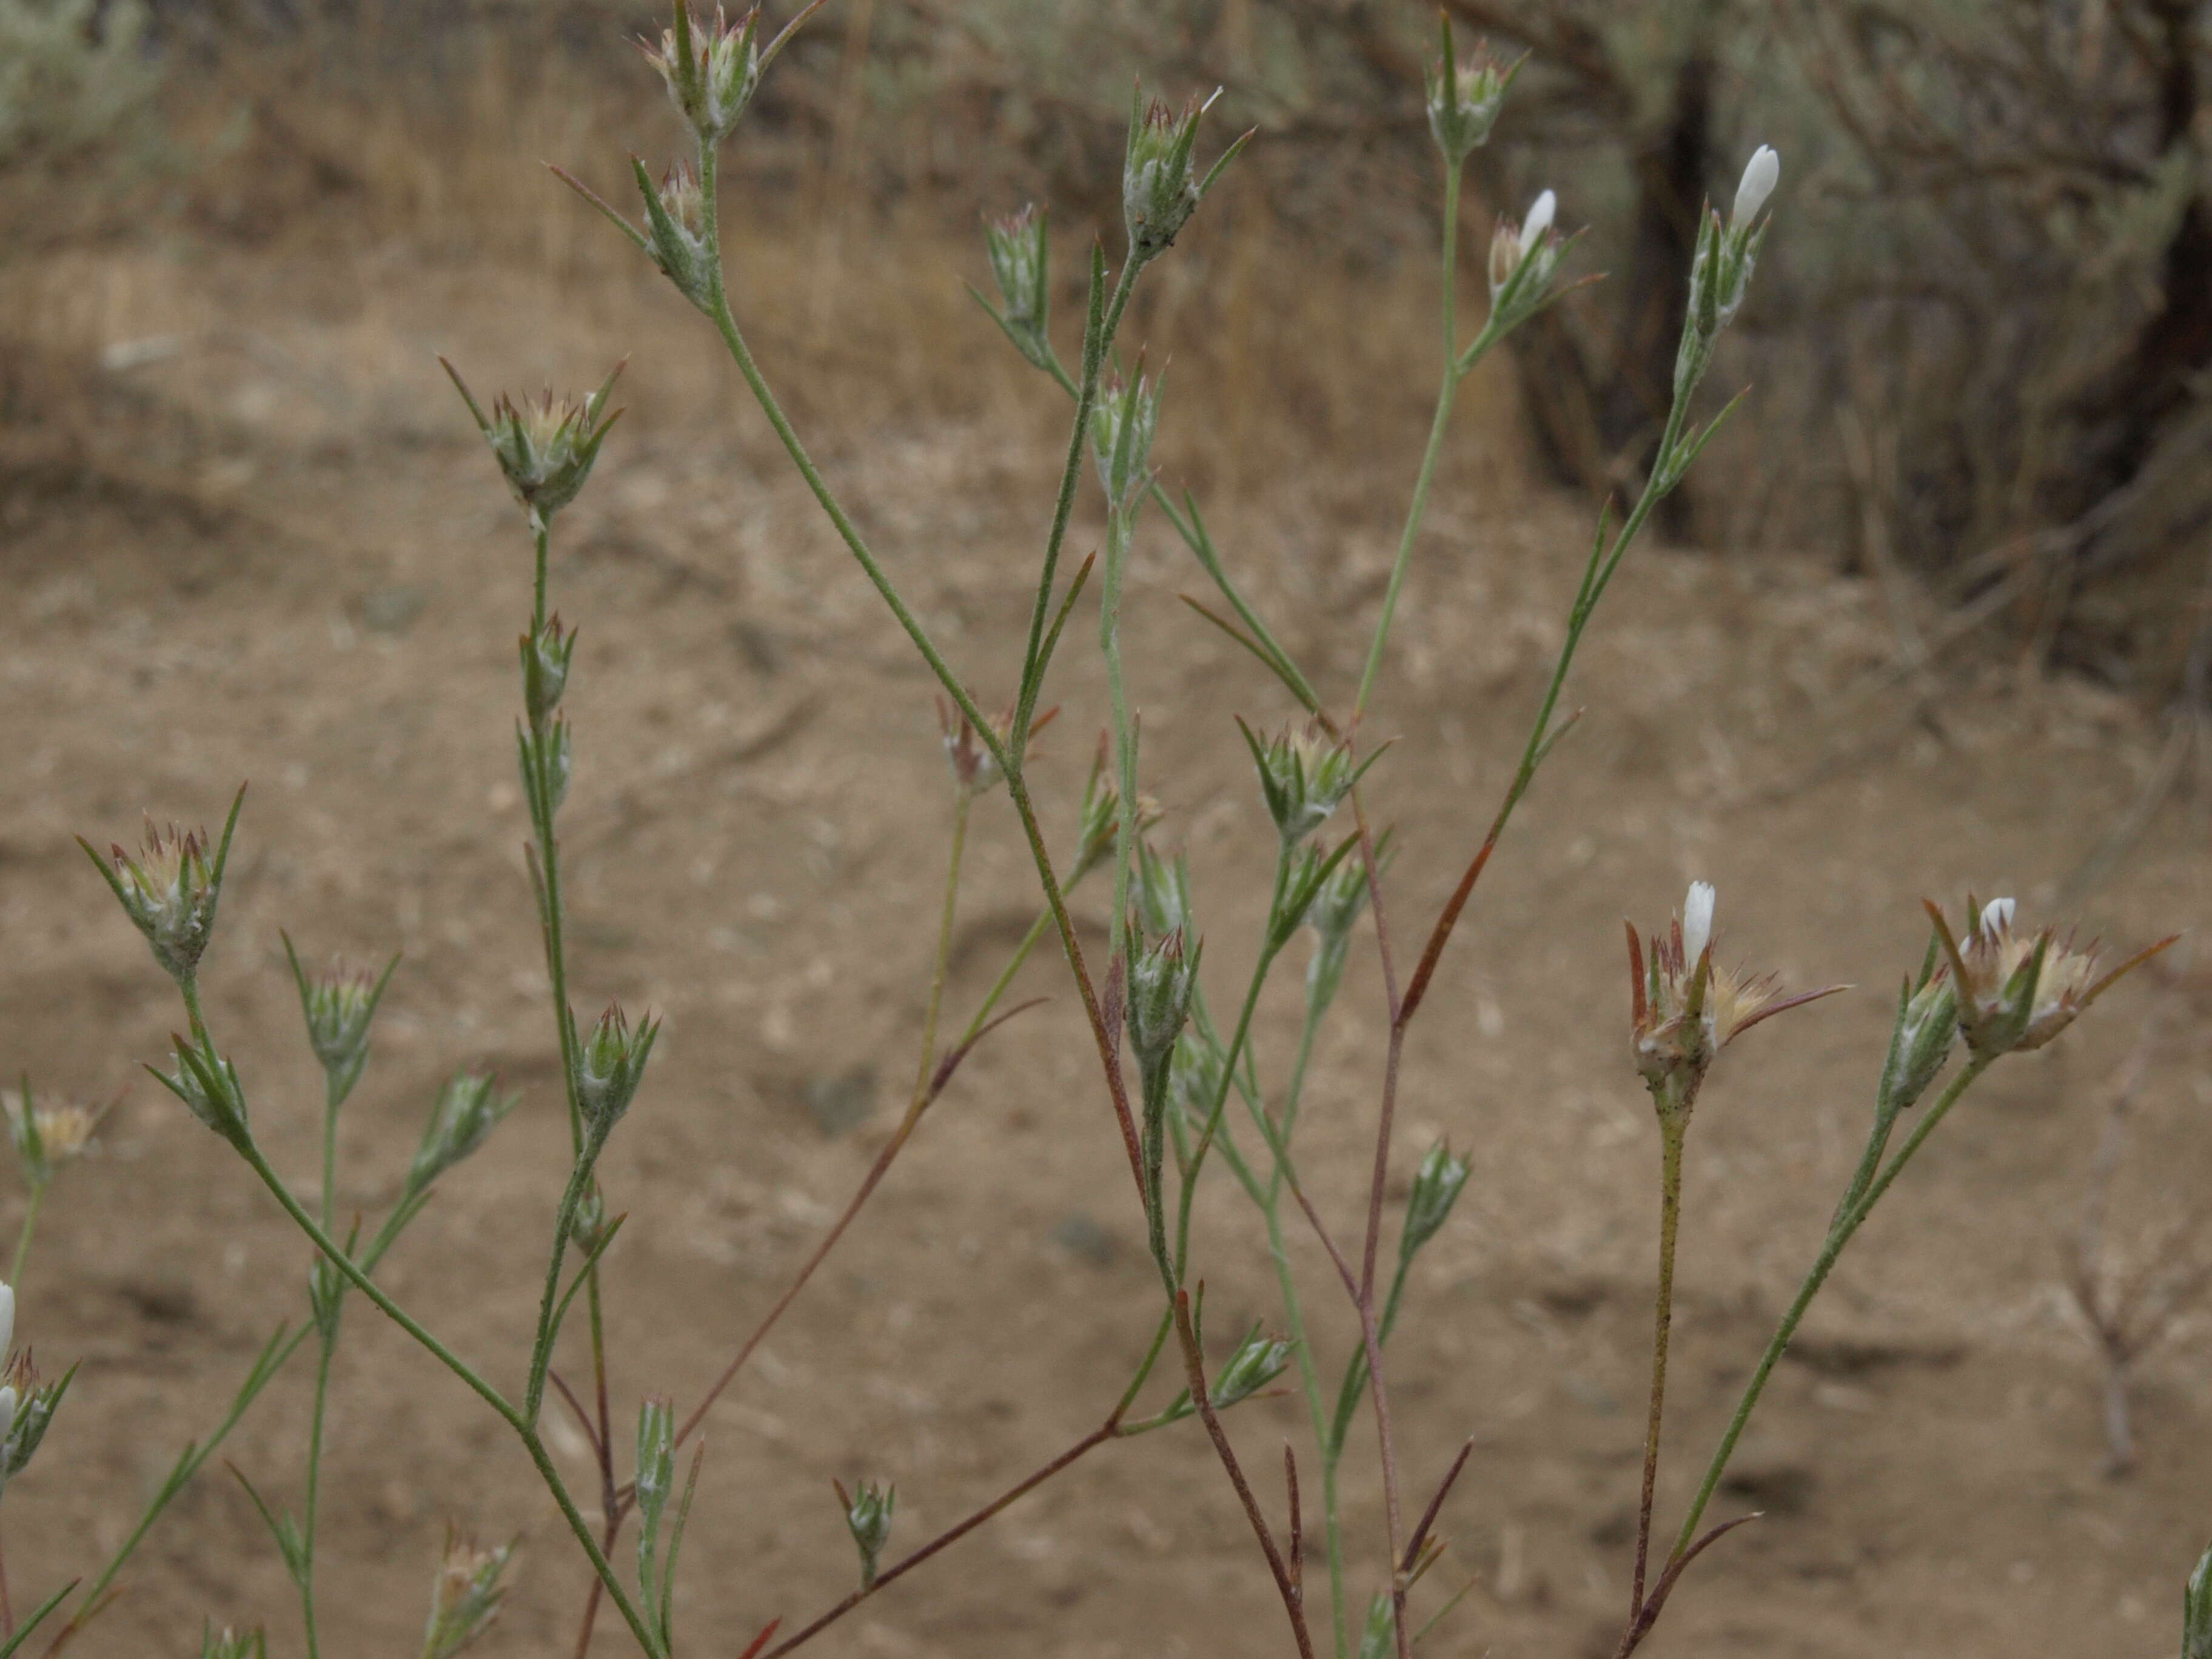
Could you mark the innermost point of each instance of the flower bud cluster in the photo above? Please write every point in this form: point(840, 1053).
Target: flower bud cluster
point(868, 1518)
point(1122, 424)
point(466, 1111)
point(1160, 188)
point(208, 1084)
point(712, 70)
point(27, 1407)
point(338, 1005)
point(1161, 979)
point(1926, 1031)
point(1523, 259)
point(2020, 991)
point(1719, 271)
point(170, 890)
point(609, 1064)
point(464, 1595)
point(1303, 773)
point(545, 447)
point(1019, 247)
point(1464, 97)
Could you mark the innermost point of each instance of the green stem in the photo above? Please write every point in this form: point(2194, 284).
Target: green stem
point(23, 1238)
point(1446, 394)
point(1096, 345)
point(525, 1430)
point(1838, 1236)
point(1118, 529)
point(541, 1348)
point(991, 998)
point(314, 1493)
point(962, 800)
point(1674, 1130)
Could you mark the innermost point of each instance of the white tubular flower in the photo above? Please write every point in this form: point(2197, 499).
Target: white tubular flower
point(1760, 175)
point(1542, 212)
point(1697, 922)
point(1996, 916)
point(7, 1319)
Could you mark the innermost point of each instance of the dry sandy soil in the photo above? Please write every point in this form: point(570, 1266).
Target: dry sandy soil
point(285, 558)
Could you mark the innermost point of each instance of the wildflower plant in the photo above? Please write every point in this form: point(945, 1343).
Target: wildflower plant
point(1199, 1091)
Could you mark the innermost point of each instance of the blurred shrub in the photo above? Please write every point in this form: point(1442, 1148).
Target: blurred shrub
point(71, 73)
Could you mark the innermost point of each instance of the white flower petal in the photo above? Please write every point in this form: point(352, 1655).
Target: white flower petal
point(1542, 212)
point(1760, 175)
point(7, 1319)
point(1697, 923)
point(1996, 917)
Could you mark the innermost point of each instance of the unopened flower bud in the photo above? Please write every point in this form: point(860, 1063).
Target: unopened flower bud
point(868, 1517)
point(1522, 258)
point(30, 1408)
point(975, 767)
point(1760, 174)
point(1378, 1637)
point(1161, 979)
point(1122, 423)
point(327, 1289)
point(2196, 1611)
point(1436, 1185)
point(7, 1319)
point(1926, 1029)
point(229, 1644)
point(1163, 893)
point(586, 1232)
point(656, 1460)
point(546, 655)
point(208, 1084)
point(1465, 97)
point(1194, 1077)
point(465, 1593)
point(1101, 817)
point(1303, 773)
point(609, 1064)
point(1019, 247)
point(679, 232)
point(1258, 1361)
point(467, 1109)
point(545, 447)
point(170, 890)
point(1160, 189)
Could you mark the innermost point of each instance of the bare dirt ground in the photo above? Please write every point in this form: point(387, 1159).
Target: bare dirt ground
point(293, 563)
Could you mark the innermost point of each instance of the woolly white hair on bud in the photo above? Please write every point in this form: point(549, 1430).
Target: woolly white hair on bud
point(1996, 916)
point(1760, 175)
point(1542, 212)
point(1697, 923)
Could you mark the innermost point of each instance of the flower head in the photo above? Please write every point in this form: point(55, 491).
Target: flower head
point(1522, 258)
point(47, 1133)
point(1160, 188)
point(1020, 248)
point(1303, 773)
point(1122, 422)
point(464, 1595)
point(1760, 175)
point(545, 446)
point(609, 1064)
point(868, 1517)
point(338, 1005)
point(1101, 815)
point(2018, 990)
point(1464, 96)
point(713, 71)
point(1684, 1010)
point(170, 889)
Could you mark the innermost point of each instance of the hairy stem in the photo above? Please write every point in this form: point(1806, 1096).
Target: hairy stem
point(1674, 1129)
